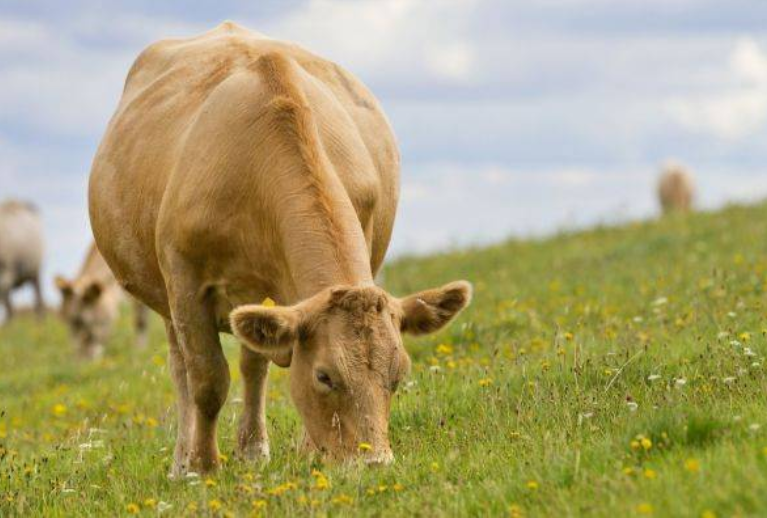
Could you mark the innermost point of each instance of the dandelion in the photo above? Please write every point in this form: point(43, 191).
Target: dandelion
point(692, 465)
point(59, 410)
point(214, 505)
point(515, 511)
point(646, 443)
point(569, 336)
point(444, 349)
point(650, 474)
point(435, 467)
point(363, 446)
point(745, 336)
point(398, 487)
point(321, 483)
point(259, 504)
point(132, 509)
point(151, 422)
point(268, 303)
point(209, 482)
point(532, 485)
point(484, 382)
point(644, 508)
point(342, 499)
point(150, 503)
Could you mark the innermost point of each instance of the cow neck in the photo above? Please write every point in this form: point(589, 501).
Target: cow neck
point(324, 250)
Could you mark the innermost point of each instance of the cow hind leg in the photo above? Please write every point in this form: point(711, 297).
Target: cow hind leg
point(252, 439)
point(6, 295)
point(140, 324)
point(39, 302)
point(207, 372)
point(183, 404)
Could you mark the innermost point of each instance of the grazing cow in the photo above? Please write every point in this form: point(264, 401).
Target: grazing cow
point(236, 168)
point(90, 304)
point(21, 252)
point(675, 189)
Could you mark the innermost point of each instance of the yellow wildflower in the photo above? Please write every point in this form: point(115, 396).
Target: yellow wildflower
point(343, 499)
point(267, 302)
point(484, 382)
point(215, 505)
point(151, 422)
point(259, 504)
point(434, 467)
point(692, 465)
point(515, 511)
point(363, 446)
point(59, 410)
point(708, 514)
point(398, 487)
point(644, 508)
point(210, 482)
point(532, 485)
point(444, 349)
point(150, 503)
point(132, 509)
point(646, 443)
point(650, 474)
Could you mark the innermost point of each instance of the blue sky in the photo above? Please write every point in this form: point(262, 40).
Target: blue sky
point(514, 117)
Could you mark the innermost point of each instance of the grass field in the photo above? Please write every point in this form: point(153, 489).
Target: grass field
point(613, 372)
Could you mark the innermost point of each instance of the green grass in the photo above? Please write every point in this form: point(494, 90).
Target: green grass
point(613, 372)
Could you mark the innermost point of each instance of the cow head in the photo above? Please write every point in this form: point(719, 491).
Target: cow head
point(89, 312)
point(344, 349)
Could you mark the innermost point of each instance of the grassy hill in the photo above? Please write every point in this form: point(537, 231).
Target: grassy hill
point(613, 372)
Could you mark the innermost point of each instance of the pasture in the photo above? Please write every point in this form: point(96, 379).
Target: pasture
point(611, 372)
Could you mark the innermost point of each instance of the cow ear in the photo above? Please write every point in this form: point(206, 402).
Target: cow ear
point(64, 286)
point(270, 331)
point(92, 292)
point(430, 310)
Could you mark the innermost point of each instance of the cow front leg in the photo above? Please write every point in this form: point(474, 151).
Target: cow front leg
point(252, 439)
point(207, 371)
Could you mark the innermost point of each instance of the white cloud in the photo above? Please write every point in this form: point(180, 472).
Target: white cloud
point(738, 110)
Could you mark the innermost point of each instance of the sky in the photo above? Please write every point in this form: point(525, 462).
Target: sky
point(513, 117)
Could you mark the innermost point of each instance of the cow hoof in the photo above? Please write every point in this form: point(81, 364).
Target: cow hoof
point(256, 451)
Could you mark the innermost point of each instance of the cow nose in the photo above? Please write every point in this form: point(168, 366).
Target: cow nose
point(383, 458)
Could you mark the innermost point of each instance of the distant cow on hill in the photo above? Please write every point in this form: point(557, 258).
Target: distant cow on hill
point(675, 189)
point(21, 252)
point(90, 305)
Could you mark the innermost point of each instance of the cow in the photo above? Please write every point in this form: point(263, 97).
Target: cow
point(21, 252)
point(239, 168)
point(90, 305)
point(675, 189)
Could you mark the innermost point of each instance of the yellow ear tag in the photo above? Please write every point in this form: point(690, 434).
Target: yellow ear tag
point(267, 302)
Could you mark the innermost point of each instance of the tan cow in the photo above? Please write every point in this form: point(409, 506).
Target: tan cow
point(21, 252)
point(90, 305)
point(237, 168)
point(675, 189)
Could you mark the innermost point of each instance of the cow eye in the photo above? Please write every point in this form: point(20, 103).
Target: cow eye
point(324, 379)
